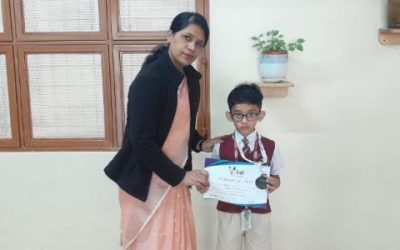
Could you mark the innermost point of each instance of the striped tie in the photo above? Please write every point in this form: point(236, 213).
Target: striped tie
point(246, 148)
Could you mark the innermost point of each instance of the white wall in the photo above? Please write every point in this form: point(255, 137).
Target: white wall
point(337, 131)
point(57, 201)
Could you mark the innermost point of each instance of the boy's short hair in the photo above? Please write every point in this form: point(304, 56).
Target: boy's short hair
point(245, 93)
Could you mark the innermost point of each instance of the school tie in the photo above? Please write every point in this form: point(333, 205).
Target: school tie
point(246, 148)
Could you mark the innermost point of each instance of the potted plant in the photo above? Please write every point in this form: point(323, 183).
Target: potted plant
point(274, 54)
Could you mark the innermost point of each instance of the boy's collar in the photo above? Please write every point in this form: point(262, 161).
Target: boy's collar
point(251, 137)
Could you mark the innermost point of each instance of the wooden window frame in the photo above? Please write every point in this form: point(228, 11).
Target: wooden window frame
point(17, 44)
point(12, 99)
point(6, 35)
point(117, 34)
point(203, 121)
point(108, 141)
point(118, 51)
point(57, 36)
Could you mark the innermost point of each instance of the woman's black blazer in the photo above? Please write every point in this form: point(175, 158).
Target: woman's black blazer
point(152, 101)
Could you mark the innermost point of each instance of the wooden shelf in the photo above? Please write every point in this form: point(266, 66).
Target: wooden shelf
point(276, 89)
point(389, 36)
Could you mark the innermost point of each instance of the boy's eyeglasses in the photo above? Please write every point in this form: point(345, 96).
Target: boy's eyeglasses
point(238, 117)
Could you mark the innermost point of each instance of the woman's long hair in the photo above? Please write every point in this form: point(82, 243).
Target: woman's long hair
point(180, 22)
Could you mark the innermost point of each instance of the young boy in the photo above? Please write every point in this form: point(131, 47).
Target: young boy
point(245, 144)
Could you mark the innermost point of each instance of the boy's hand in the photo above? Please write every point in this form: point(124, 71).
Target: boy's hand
point(209, 144)
point(273, 182)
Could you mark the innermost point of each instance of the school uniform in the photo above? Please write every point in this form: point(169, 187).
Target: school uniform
point(230, 234)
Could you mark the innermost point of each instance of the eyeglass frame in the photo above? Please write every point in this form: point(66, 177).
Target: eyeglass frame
point(256, 113)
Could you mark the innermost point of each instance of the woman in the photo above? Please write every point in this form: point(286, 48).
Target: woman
point(153, 167)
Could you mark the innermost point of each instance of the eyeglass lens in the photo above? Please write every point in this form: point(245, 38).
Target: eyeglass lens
point(238, 117)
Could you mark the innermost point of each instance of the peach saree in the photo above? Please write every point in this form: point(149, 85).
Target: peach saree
point(165, 220)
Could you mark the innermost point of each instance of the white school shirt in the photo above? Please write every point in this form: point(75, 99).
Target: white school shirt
point(277, 165)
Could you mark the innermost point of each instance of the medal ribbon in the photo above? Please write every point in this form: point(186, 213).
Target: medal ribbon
point(265, 160)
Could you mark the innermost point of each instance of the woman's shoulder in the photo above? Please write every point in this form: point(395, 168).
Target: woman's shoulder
point(146, 79)
point(150, 74)
point(161, 69)
point(151, 70)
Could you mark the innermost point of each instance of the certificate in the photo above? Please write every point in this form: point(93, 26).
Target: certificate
point(234, 182)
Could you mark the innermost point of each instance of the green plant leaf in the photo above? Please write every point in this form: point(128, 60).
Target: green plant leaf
point(281, 45)
point(299, 47)
point(272, 40)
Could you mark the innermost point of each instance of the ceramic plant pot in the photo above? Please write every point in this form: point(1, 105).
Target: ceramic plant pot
point(273, 66)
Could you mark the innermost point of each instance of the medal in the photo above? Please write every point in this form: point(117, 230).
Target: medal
point(261, 182)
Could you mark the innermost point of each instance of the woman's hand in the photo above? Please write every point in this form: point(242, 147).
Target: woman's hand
point(198, 178)
point(202, 189)
point(273, 182)
point(208, 144)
